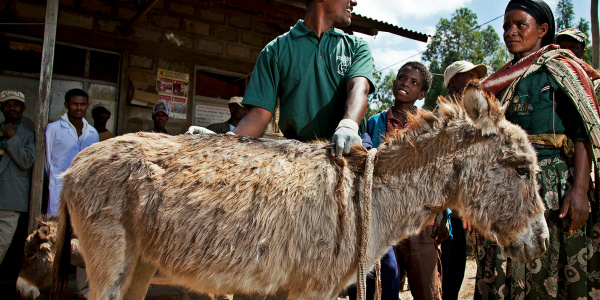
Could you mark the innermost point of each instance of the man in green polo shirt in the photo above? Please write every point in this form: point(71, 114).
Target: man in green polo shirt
point(321, 75)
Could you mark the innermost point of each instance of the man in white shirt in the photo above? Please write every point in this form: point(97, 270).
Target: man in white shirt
point(65, 138)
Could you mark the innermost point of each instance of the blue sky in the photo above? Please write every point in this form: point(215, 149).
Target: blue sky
point(422, 16)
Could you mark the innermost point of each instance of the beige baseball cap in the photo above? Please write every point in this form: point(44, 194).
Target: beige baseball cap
point(12, 95)
point(236, 100)
point(462, 66)
point(574, 34)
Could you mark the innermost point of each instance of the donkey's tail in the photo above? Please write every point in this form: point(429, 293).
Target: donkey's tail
point(62, 254)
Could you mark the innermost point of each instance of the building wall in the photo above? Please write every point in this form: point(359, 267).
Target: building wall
point(173, 35)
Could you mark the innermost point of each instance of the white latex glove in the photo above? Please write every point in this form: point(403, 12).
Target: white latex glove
point(199, 130)
point(345, 136)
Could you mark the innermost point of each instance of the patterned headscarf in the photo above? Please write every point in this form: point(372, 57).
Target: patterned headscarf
point(540, 11)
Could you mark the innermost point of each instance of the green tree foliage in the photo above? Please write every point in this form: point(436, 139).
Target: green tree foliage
point(382, 98)
point(564, 15)
point(460, 38)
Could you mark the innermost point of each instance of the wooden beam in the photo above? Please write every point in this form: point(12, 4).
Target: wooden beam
point(595, 35)
point(141, 12)
point(41, 116)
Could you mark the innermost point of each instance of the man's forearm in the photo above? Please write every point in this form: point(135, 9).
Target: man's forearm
point(253, 123)
point(356, 104)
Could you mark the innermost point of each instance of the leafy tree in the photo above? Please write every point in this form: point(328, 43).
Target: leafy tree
point(382, 98)
point(460, 38)
point(564, 14)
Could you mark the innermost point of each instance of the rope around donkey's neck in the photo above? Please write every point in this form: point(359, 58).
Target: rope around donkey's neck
point(366, 198)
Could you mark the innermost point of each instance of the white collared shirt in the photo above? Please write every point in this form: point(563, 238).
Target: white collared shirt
point(62, 145)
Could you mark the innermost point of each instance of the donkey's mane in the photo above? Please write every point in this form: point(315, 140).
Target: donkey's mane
point(425, 121)
point(442, 132)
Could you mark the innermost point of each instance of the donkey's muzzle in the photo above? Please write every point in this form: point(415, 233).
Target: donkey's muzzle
point(531, 243)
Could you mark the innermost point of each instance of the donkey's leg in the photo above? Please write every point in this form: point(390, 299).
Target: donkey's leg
point(108, 264)
point(139, 280)
point(107, 279)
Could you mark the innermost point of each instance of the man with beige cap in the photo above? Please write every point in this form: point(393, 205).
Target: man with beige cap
point(237, 110)
point(459, 74)
point(456, 78)
point(573, 40)
point(17, 153)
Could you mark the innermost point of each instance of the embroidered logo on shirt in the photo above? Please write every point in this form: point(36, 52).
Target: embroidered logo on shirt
point(344, 62)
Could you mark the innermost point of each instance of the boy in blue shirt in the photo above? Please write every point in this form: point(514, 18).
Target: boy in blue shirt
point(417, 256)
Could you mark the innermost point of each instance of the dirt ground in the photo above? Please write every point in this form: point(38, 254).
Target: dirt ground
point(466, 290)
point(161, 289)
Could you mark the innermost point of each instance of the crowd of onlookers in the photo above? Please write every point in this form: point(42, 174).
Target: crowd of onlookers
point(546, 89)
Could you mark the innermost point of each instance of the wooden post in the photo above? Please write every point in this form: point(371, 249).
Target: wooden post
point(595, 35)
point(41, 114)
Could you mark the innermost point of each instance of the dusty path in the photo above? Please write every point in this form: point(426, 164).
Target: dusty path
point(466, 290)
point(162, 290)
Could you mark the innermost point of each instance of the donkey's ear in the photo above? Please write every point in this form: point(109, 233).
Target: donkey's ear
point(484, 111)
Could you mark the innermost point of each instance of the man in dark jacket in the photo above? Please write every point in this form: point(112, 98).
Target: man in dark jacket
point(237, 111)
point(17, 153)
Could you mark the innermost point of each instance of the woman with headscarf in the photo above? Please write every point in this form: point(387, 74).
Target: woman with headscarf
point(547, 93)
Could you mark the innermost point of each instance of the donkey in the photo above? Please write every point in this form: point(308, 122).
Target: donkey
point(36, 270)
point(232, 214)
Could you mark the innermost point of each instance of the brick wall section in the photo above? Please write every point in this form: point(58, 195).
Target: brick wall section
point(239, 51)
point(225, 33)
point(108, 26)
point(252, 39)
point(95, 6)
point(240, 22)
point(75, 20)
point(212, 46)
point(183, 9)
point(179, 40)
point(30, 12)
point(141, 62)
point(148, 34)
point(166, 22)
point(195, 30)
point(211, 16)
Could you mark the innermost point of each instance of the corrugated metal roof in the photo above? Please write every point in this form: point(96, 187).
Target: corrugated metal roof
point(366, 25)
point(369, 24)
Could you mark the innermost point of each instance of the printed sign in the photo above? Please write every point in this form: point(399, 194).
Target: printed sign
point(173, 89)
point(208, 114)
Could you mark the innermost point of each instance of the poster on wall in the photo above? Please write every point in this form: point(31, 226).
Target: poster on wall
point(210, 114)
point(173, 89)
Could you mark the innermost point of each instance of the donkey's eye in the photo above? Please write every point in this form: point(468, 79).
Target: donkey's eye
point(523, 173)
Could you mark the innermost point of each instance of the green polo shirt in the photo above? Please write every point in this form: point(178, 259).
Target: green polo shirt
point(309, 75)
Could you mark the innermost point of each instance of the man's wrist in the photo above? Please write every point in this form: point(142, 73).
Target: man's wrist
point(348, 123)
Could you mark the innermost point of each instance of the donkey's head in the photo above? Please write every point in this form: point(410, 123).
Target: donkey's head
point(466, 156)
point(42, 240)
point(496, 179)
